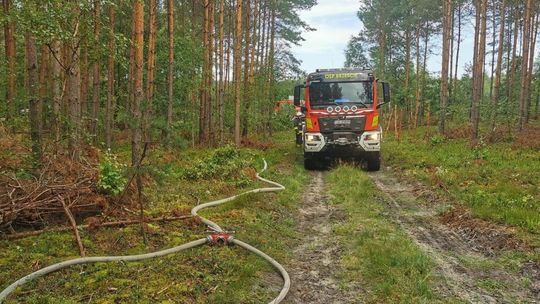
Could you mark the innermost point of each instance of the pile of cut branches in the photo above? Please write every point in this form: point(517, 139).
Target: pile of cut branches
point(61, 188)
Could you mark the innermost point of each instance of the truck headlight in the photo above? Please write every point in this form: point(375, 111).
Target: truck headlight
point(372, 136)
point(310, 137)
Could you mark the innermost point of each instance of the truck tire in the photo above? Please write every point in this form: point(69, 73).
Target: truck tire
point(373, 161)
point(310, 163)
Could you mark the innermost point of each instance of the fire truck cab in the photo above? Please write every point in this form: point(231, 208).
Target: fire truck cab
point(341, 116)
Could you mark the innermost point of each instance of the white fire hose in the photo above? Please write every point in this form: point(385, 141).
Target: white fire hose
point(219, 237)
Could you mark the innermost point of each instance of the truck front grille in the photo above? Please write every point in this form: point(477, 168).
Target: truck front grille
point(342, 123)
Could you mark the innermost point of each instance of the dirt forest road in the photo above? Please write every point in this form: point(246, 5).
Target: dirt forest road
point(459, 255)
point(318, 256)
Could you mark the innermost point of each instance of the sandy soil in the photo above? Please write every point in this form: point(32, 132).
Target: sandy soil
point(315, 267)
point(449, 246)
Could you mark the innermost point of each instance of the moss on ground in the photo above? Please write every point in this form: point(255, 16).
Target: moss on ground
point(200, 275)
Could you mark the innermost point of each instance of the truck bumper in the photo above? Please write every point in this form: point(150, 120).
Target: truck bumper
point(369, 141)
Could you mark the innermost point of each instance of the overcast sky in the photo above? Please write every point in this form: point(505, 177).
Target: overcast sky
point(335, 22)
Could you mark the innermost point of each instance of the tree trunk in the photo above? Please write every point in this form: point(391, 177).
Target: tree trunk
point(209, 78)
point(33, 98)
point(43, 83)
point(271, 64)
point(423, 87)
point(221, 83)
point(151, 66)
point(497, 85)
point(260, 57)
point(203, 111)
point(56, 90)
point(9, 37)
point(74, 92)
point(131, 72)
point(417, 103)
point(525, 65)
point(170, 27)
point(534, 35)
point(96, 71)
point(237, 71)
point(493, 39)
point(83, 83)
point(479, 57)
point(407, 66)
point(247, 49)
point(457, 51)
point(447, 24)
point(138, 92)
point(194, 91)
point(451, 50)
point(510, 84)
point(110, 79)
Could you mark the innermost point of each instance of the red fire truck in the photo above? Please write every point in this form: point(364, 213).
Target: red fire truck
point(341, 116)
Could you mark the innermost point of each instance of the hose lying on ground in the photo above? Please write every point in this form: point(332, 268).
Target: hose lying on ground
point(131, 258)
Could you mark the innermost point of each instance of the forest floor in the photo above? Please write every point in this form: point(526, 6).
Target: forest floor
point(401, 235)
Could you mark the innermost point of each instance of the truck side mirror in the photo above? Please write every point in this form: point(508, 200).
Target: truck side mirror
point(386, 94)
point(297, 91)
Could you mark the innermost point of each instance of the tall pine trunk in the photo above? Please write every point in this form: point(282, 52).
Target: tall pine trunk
point(43, 83)
point(110, 79)
point(457, 51)
point(56, 90)
point(498, 70)
point(525, 65)
point(447, 24)
point(221, 81)
point(513, 64)
point(96, 92)
point(74, 92)
point(247, 87)
point(478, 77)
point(151, 72)
point(534, 35)
point(9, 37)
point(138, 92)
point(203, 110)
point(170, 75)
point(237, 71)
point(33, 98)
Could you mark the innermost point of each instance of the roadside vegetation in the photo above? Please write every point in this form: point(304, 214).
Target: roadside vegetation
point(202, 275)
point(497, 181)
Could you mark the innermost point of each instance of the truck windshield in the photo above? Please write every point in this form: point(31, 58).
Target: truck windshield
point(325, 93)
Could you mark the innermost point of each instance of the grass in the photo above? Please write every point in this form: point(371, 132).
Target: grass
point(498, 182)
point(202, 275)
point(378, 253)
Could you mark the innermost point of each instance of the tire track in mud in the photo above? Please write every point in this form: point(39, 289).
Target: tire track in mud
point(445, 247)
point(317, 258)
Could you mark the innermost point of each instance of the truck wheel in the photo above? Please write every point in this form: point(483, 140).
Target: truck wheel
point(374, 161)
point(310, 164)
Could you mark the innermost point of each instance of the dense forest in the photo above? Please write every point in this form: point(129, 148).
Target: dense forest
point(121, 120)
point(501, 87)
point(170, 72)
point(87, 81)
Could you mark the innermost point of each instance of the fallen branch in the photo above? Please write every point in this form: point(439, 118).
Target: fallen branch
point(73, 226)
point(21, 235)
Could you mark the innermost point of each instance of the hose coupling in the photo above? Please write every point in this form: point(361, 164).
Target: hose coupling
point(220, 239)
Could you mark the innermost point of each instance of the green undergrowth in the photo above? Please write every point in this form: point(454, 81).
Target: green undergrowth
point(498, 182)
point(378, 254)
point(201, 275)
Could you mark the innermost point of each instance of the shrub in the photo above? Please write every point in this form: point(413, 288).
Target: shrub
point(111, 175)
point(226, 163)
